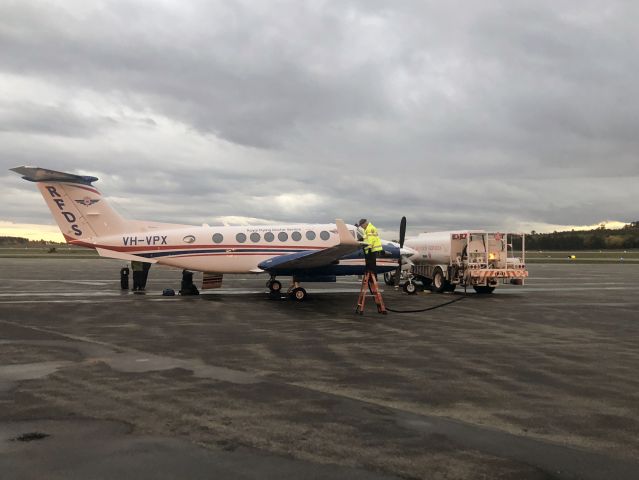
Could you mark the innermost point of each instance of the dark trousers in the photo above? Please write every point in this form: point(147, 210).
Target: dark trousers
point(138, 280)
point(145, 273)
point(371, 261)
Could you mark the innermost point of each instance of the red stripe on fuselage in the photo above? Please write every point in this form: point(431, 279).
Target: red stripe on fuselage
point(223, 254)
point(79, 243)
point(155, 248)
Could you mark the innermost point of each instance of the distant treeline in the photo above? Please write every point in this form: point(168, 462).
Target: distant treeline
point(597, 239)
point(24, 242)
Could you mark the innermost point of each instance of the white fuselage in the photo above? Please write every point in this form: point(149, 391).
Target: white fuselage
point(224, 249)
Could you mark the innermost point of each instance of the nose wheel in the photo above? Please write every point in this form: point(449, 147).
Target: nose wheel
point(410, 288)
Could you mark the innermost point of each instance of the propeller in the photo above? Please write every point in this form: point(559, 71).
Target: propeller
point(402, 237)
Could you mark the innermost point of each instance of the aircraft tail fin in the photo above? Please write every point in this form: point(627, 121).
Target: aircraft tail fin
point(77, 206)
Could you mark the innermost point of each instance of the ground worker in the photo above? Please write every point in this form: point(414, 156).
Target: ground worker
point(374, 247)
point(188, 287)
point(138, 275)
point(146, 266)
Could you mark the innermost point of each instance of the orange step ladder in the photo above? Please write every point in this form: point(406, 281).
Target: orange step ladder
point(370, 282)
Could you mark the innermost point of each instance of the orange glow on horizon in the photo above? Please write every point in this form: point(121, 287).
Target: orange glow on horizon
point(32, 231)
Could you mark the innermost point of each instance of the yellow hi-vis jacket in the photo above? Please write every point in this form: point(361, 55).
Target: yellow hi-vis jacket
point(372, 238)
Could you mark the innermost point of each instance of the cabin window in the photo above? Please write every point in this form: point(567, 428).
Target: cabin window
point(282, 236)
point(269, 237)
point(255, 237)
point(189, 239)
point(324, 235)
point(297, 236)
point(310, 234)
point(240, 237)
point(218, 237)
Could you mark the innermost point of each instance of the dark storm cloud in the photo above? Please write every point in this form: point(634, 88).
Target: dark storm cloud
point(454, 114)
point(251, 84)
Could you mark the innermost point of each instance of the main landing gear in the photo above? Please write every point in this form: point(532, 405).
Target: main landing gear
point(273, 285)
point(295, 291)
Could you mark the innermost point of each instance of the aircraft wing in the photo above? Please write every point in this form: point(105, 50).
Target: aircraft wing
point(315, 258)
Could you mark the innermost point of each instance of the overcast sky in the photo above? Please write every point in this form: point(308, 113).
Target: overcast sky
point(461, 114)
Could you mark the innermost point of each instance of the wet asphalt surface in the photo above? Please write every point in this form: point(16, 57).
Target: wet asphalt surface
point(538, 382)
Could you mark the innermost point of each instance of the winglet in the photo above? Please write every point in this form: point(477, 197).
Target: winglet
point(345, 237)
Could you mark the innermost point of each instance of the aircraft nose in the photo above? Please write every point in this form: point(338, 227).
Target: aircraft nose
point(407, 251)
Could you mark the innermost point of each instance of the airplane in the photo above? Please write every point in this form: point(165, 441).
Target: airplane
point(305, 252)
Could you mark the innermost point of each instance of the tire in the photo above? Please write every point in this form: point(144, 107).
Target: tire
point(410, 288)
point(389, 278)
point(274, 286)
point(450, 287)
point(483, 289)
point(438, 284)
point(426, 282)
point(298, 294)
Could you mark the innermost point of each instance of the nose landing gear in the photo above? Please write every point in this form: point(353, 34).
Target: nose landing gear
point(410, 287)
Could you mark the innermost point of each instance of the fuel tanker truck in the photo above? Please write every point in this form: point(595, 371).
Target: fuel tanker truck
point(483, 260)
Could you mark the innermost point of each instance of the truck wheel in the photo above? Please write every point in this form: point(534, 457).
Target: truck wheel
point(439, 282)
point(389, 278)
point(483, 289)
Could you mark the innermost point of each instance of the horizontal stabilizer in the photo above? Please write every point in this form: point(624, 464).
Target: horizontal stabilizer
point(103, 252)
point(37, 174)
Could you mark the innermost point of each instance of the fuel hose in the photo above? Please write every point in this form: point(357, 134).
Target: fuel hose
point(428, 308)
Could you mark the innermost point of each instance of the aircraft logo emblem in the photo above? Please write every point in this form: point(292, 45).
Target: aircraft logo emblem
point(87, 201)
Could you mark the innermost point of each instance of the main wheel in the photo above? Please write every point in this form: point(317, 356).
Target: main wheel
point(274, 286)
point(410, 288)
point(298, 294)
point(439, 282)
point(483, 289)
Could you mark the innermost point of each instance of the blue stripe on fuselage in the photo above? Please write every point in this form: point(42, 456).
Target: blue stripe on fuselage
point(234, 251)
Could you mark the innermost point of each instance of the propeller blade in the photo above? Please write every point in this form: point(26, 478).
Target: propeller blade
point(402, 237)
point(402, 232)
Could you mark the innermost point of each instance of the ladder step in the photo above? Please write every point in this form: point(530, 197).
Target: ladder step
point(369, 283)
